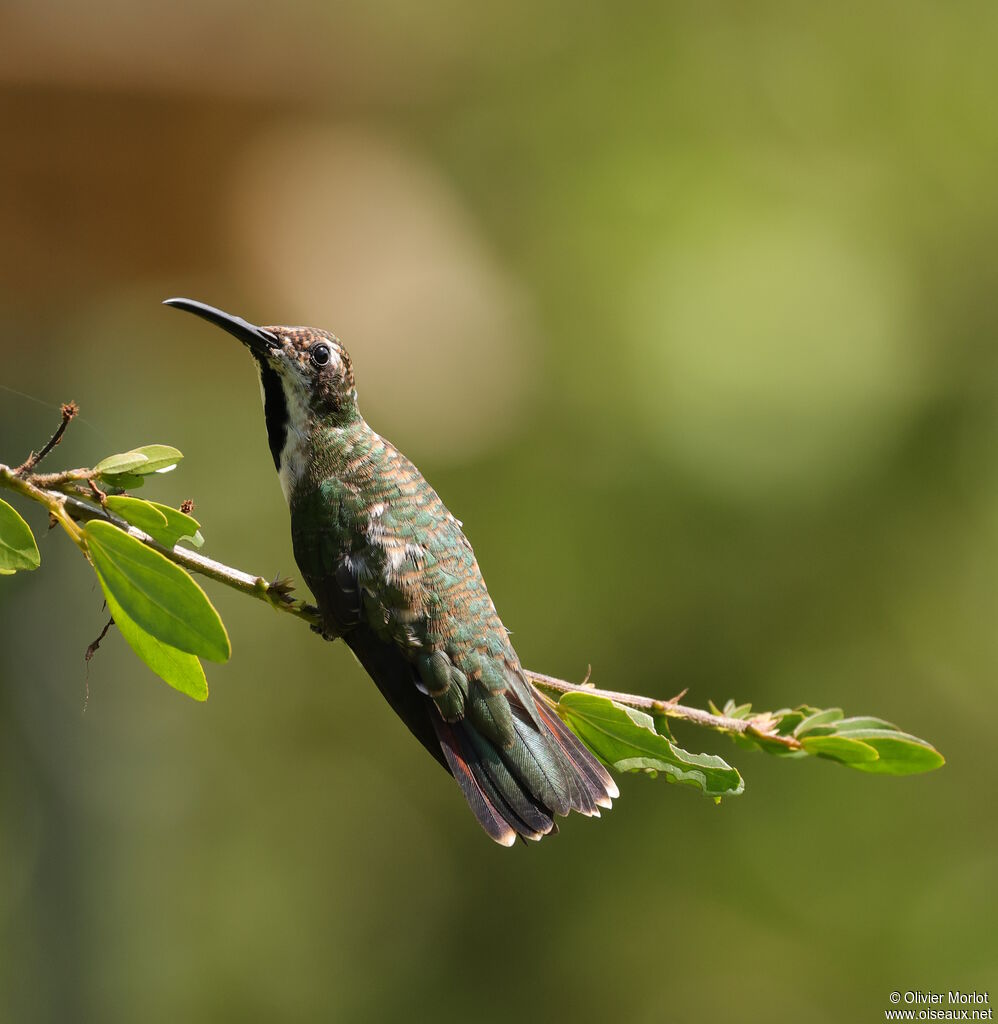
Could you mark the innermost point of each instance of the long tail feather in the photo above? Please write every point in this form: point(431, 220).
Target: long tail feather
point(535, 819)
point(515, 789)
point(600, 784)
point(482, 807)
point(518, 789)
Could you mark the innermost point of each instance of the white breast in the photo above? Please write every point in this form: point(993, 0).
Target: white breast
point(293, 459)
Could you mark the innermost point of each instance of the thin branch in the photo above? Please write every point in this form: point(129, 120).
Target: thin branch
point(69, 411)
point(670, 708)
point(100, 495)
point(94, 645)
point(53, 501)
point(60, 479)
point(275, 594)
point(72, 508)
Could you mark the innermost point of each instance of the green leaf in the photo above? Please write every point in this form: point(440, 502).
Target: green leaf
point(138, 512)
point(852, 724)
point(159, 596)
point(844, 749)
point(863, 742)
point(789, 720)
point(660, 723)
point(818, 718)
point(626, 740)
point(179, 527)
point(166, 525)
point(898, 753)
point(123, 482)
point(151, 458)
point(18, 549)
point(181, 670)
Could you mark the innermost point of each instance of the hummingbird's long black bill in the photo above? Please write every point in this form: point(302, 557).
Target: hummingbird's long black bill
point(255, 338)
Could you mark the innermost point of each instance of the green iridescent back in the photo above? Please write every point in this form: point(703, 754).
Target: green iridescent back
point(374, 540)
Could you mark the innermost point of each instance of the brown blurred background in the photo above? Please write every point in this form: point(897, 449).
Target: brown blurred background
point(689, 312)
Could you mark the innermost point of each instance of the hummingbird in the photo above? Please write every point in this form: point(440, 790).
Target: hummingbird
point(395, 578)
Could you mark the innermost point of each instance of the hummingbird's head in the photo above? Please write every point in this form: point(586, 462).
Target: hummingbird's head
point(306, 376)
point(314, 370)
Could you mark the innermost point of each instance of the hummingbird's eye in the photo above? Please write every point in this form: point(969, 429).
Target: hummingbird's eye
point(320, 354)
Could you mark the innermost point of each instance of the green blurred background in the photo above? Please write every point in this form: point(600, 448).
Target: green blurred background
point(689, 312)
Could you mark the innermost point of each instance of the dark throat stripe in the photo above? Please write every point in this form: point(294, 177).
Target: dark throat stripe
point(275, 410)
